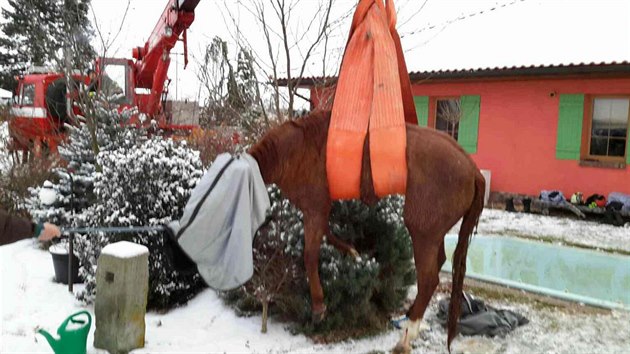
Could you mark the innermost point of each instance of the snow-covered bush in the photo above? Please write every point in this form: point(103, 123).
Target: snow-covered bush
point(360, 294)
point(144, 185)
point(74, 183)
point(17, 181)
point(117, 176)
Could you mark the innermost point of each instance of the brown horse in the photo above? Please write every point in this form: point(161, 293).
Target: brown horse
point(443, 185)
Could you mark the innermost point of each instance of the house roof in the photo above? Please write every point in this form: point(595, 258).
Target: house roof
point(621, 68)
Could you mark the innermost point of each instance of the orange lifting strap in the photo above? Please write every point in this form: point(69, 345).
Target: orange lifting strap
point(373, 92)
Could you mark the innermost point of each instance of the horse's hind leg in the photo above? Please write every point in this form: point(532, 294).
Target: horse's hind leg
point(341, 245)
point(429, 257)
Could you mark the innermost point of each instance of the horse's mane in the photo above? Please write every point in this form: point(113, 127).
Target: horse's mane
point(315, 125)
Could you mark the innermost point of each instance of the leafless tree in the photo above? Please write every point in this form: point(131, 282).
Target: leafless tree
point(450, 110)
point(230, 86)
point(292, 38)
point(276, 270)
point(79, 92)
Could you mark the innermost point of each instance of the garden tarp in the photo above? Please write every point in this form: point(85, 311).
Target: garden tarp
point(224, 211)
point(479, 319)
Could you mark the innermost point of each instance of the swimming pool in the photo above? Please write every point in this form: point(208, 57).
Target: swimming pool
point(587, 276)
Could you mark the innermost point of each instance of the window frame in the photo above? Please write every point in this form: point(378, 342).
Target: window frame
point(589, 106)
point(23, 92)
point(433, 107)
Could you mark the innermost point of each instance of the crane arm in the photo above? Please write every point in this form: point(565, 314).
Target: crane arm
point(152, 60)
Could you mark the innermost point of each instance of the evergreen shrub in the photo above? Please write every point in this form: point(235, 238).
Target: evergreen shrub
point(360, 294)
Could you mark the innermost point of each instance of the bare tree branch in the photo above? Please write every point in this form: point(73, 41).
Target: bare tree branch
point(291, 36)
point(107, 43)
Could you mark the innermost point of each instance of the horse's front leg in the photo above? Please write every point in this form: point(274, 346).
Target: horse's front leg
point(314, 229)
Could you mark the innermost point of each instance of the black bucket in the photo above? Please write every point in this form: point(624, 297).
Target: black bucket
point(60, 262)
point(509, 205)
point(527, 205)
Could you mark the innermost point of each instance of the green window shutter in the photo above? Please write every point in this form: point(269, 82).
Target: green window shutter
point(422, 109)
point(469, 123)
point(570, 118)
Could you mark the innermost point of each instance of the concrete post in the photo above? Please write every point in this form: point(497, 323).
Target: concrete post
point(122, 285)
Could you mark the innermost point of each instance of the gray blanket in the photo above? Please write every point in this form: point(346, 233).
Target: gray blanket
point(225, 210)
point(479, 319)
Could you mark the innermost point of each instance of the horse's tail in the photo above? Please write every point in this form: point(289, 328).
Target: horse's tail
point(471, 218)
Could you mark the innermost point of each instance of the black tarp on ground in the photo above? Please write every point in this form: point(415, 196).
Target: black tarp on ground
point(479, 319)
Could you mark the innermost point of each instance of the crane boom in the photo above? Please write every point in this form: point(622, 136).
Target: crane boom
point(152, 60)
point(38, 117)
point(188, 5)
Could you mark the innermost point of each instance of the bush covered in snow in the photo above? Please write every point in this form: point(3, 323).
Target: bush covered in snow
point(144, 185)
point(117, 176)
point(17, 181)
point(74, 183)
point(360, 294)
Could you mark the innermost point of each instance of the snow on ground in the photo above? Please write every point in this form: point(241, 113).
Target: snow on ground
point(29, 298)
point(585, 233)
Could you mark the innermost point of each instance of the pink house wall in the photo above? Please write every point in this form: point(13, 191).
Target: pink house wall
point(518, 125)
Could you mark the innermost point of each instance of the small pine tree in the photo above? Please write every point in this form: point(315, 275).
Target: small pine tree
point(360, 293)
point(75, 184)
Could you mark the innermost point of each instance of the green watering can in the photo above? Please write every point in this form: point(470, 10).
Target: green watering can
point(71, 340)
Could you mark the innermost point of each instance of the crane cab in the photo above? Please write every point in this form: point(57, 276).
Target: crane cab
point(116, 80)
point(39, 111)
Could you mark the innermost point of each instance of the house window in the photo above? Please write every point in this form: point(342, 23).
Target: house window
point(447, 116)
point(609, 127)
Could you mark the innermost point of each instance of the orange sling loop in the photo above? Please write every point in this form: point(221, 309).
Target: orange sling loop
point(373, 93)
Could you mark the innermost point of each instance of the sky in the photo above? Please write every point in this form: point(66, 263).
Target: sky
point(436, 34)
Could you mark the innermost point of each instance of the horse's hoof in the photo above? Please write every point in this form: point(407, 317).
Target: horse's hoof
point(319, 315)
point(401, 349)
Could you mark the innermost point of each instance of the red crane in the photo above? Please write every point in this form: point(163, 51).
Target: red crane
point(40, 110)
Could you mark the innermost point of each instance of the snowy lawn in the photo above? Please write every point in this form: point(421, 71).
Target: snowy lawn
point(29, 298)
point(570, 231)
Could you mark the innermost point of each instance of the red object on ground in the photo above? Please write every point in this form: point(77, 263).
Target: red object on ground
point(373, 92)
point(601, 202)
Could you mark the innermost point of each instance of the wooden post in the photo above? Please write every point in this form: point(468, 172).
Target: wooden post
point(70, 259)
point(71, 237)
point(265, 316)
point(122, 285)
